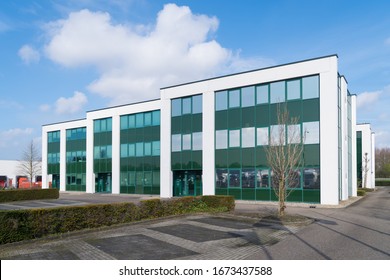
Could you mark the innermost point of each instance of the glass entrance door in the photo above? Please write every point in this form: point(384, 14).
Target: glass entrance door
point(103, 183)
point(187, 183)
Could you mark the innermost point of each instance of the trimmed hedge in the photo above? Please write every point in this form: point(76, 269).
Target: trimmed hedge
point(361, 192)
point(28, 194)
point(18, 225)
point(384, 183)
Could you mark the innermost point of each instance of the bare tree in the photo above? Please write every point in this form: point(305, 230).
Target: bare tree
point(284, 155)
point(30, 163)
point(365, 169)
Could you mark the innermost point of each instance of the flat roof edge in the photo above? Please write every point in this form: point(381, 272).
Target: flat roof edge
point(124, 105)
point(76, 120)
point(250, 71)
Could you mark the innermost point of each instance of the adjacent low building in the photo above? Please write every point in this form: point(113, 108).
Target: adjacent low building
point(209, 137)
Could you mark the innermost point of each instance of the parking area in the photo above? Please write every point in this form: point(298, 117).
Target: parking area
point(205, 236)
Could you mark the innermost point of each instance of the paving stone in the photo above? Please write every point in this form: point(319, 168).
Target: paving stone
point(224, 222)
point(194, 233)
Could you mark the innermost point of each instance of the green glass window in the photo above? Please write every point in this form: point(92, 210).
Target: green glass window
point(222, 178)
point(248, 177)
point(293, 89)
point(234, 178)
point(148, 119)
point(262, 178)
point(139, 149)
point(262, 136)
point(139, 120)
point(221, 140)
point(124, 122)
point(156, 148)
point(234, 98)
point(310, 87)
point(197, 141)
point(156, 117)
point(197, 104)
point(311, 132)
point(248, 96)
point(124, 150)
point(186, 142)
point(221, 101)
point(262, 94)
point(294, 133)
point(176, 143)
point(131, 121)
point(186, 105)
point(278, 92)
point(131, 150)
point(278, 134)
point(234, 138)
point(148, 149)
point(311, 178)
point(248, 137)
point(176, 107)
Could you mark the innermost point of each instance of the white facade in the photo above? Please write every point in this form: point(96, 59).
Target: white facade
point(336, 129)
point(367, 155)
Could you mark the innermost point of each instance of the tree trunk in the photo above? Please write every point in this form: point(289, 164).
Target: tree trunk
point(282, 198)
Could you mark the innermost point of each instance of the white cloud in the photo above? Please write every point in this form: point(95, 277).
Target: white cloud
point(367, 98)
point(28, 54)
point(135, 61)
point(13, 136)
point(44, 108)
point(70, 105)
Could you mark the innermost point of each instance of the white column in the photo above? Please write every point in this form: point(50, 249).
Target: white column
point(115, 175)
point(354, 156)
point(45, 182)
point(62, 159)
point(166, 184)
point(208, 141)
point(372, 160)
point(90, 180)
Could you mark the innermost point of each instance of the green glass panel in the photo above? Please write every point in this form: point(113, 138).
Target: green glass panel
point(295, 109)
point(262, 115)
point(221, 120)
point(273, 116)
point(248, 157)
point(234, 118)
point(273, 196)
point(197, 160)
point(263, 194)
point(261, 157)
point(176, 160)
point(311, 196)
point(235, 192)
point(248, 194)
point(234, 158)
point(186, 159)
point(311, 110)
point(311, 155)
point(221, 191)
point(196, 122)
point(155, 190)
point(295, 196)
point(248, 117)
point(221, 158)
point(186, 124)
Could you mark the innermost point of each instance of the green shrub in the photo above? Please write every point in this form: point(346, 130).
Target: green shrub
point(361, 192)
point(28, 194)
point(17, 225)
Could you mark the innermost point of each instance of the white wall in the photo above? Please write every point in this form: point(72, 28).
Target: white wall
point(354, 155)
point(9, 168)
point(368, 146)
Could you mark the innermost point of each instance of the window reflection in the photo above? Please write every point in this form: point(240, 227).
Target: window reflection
point(234, 138)
point(197, 141)
point(176, 143)
point(311, 178)
point(248, 178)
point(176, 107)
point(295, 179)
point(234, 178)
point(248, 96)
point(278, 92)
point(197, 104)
point(221, 139)
point(293, 89)
point(248, 137)
point(311, 131)
point(262, 94)
point(310, 87)
point(221, 100)
point(186, 142)
point(262, 136)
point(234, 98)
point(221, 178)
point(262, 178)
point(294, 133)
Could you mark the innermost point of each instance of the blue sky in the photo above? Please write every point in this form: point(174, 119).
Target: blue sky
point(59, 59)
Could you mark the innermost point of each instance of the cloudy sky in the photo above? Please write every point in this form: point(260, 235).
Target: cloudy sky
point(59, 59)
